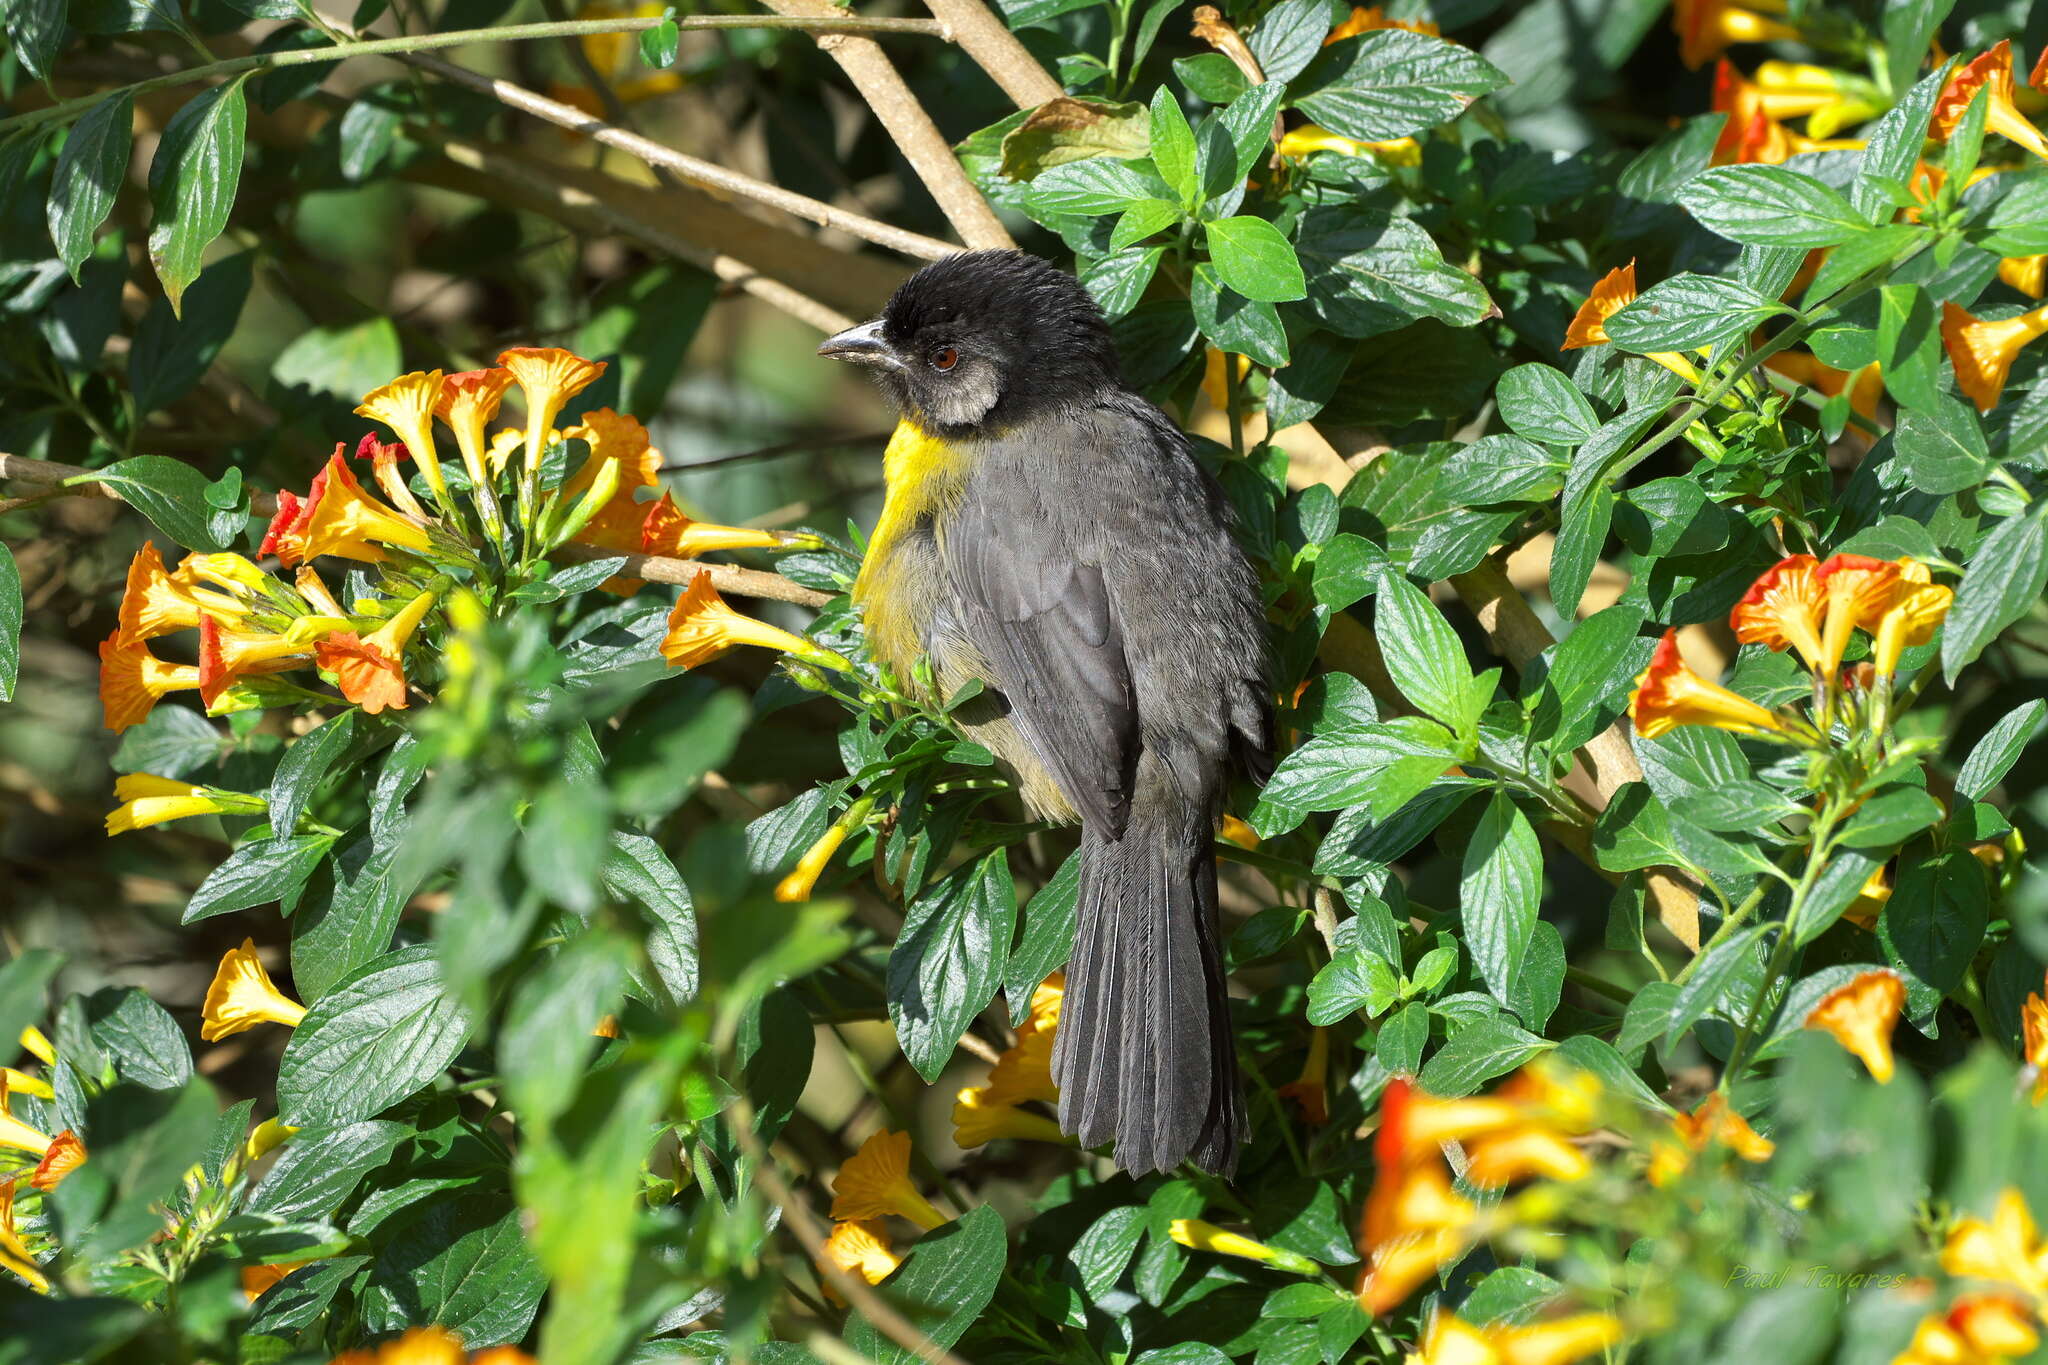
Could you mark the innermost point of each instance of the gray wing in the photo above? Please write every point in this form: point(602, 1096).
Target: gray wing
point(1041, 614)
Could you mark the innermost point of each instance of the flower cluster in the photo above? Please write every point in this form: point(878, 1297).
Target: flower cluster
point(55, 1157)
point(254, 625)
point(1415, 1222)
point(431, 1346)
point(1980, 1327)
point(1814, 608)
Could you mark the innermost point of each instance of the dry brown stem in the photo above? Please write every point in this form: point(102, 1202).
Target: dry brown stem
point(920, 141)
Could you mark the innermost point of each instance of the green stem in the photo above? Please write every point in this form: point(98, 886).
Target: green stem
point(1791, 336)
point(65, 110)
point(1599, 985)
point(1788, 937)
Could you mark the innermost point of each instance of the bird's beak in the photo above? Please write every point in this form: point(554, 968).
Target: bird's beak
point(864, 345)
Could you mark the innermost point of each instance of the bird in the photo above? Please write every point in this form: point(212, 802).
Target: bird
point(1049, 532)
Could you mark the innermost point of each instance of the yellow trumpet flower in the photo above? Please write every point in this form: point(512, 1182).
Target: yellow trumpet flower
point(150, 800)
point(1983, 351)
point(978, 1120)
point(860, 1247)
point(2006, 1248)
point(549, 377)
point(1615, 291)
point(1197, 1235)
point(407, 406)
point(1990, 72)
point(702, 627)
point(132, 680)
point(1861, 1015)
point(1668, 695)
point(242, 996)
point(14, 1253)
point(875, 1182)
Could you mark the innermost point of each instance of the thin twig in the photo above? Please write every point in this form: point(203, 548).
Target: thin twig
point(920, 141)
point(799, 446)
point(997, 51)
point(657, 569)
point(704, 174)
point(65, 110)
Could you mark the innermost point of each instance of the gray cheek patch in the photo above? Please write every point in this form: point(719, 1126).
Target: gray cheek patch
point(965, 396)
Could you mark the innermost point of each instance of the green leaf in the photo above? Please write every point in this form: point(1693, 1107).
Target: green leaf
point(1501, 468)
point(170, 353)
point(1254, 259)
point(1909, 351)
point(139, 1036)
point(1103, 1251)
point(141, 1143)
point(1890, 818)
point(172, 494)
point(670, 742)
point(1770, 206)
point(1500, 893)
point(658, 44)
point(23, 980)
point(1118, 281)
point(320, 1168)
point(2004, 580)
point(1589, 672)
point(1402, 1037)
point(1173, 147)
point(461, 1263)
point(1934, 921)
point(1047, 940)
point(353, 921)
point(1141, 220)
point(89, 172)
point(1993, 756)
point(1541, 404)
point(949, 958)
point(1349, 568)
point(381, 1035)
point(943, 1287)
point(2017, 222)
point(1355, 979)
point(549, 1035)
point(1598, 1056)
point(1368, 272)
point(367, 131)
point(1897, 138)
point(1288, 37)
point(1235, 324)
point(1249, 122)
point(1941, 445)
point(35, 32)
point(192, 183)
point(1688, 311)
point(1715, 977)
point(1423, 653)
point(639, 871)
point(1390, 83)
point(1380, 766)
point(10, 623)
point(1098, 185)
point(1212, 77)
point(261, 871)
point(304, 766)
point(1477, 1053)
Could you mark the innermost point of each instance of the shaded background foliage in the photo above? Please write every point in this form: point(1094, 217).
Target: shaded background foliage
point(385, 219)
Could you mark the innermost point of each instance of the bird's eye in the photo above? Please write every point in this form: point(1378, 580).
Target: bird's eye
point(945, 358)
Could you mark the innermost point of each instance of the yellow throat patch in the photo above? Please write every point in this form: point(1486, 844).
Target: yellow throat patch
point(921, 479)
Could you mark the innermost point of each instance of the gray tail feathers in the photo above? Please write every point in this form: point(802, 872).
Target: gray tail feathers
point(1144, 1052)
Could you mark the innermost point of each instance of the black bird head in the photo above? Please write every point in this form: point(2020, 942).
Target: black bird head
point(985, 338)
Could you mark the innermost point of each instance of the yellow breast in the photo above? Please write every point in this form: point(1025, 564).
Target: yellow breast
point(921, 477)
